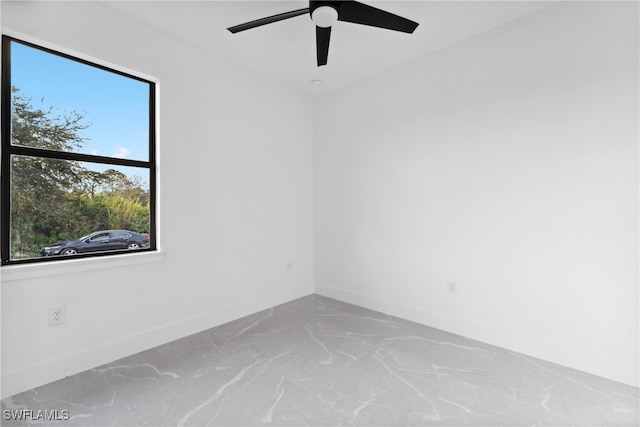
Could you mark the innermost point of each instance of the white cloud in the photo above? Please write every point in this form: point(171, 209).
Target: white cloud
point(121, 152)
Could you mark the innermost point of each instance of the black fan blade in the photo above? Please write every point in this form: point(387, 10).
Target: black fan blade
point(267, 20)
point(322, 44)
point(359, 13)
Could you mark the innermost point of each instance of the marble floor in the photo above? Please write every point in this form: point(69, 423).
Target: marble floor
point(320, 362)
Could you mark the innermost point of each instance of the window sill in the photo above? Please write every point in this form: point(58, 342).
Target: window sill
point(30, 271)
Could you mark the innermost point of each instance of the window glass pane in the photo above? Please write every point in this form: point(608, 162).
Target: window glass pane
point(54, 201)
point(104, 113)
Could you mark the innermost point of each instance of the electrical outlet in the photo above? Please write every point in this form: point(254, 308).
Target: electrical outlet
point(57, 316)
point(452, 287)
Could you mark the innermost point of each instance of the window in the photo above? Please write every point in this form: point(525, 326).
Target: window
point(78, 157)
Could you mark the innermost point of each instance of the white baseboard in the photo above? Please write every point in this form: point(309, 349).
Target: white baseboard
point(29, 377)
point(603, 365)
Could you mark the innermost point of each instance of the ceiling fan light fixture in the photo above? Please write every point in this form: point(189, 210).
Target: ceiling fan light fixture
point(324, 16)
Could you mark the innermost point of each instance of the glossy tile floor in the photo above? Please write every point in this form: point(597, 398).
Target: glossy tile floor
point(319, 362)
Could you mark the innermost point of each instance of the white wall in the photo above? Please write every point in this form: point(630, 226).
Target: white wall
point(235, 207)
point(507, 163)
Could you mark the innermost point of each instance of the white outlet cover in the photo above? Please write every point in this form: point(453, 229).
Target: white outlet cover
point(57, 315)
point(452, 287)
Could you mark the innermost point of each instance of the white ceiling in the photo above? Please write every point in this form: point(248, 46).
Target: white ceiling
point(285, 51)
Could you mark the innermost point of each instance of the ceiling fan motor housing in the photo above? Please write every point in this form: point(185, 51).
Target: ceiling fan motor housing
point(327, 12)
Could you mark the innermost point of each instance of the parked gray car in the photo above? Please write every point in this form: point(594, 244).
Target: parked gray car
point(105, 240)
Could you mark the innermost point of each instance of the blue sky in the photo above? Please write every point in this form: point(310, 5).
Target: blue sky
point(115, 106)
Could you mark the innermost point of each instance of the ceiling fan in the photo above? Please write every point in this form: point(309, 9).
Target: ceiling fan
point(325, 13)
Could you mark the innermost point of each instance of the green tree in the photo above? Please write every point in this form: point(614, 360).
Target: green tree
point(40, 185)
point(126, 202)
point(89, 182)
